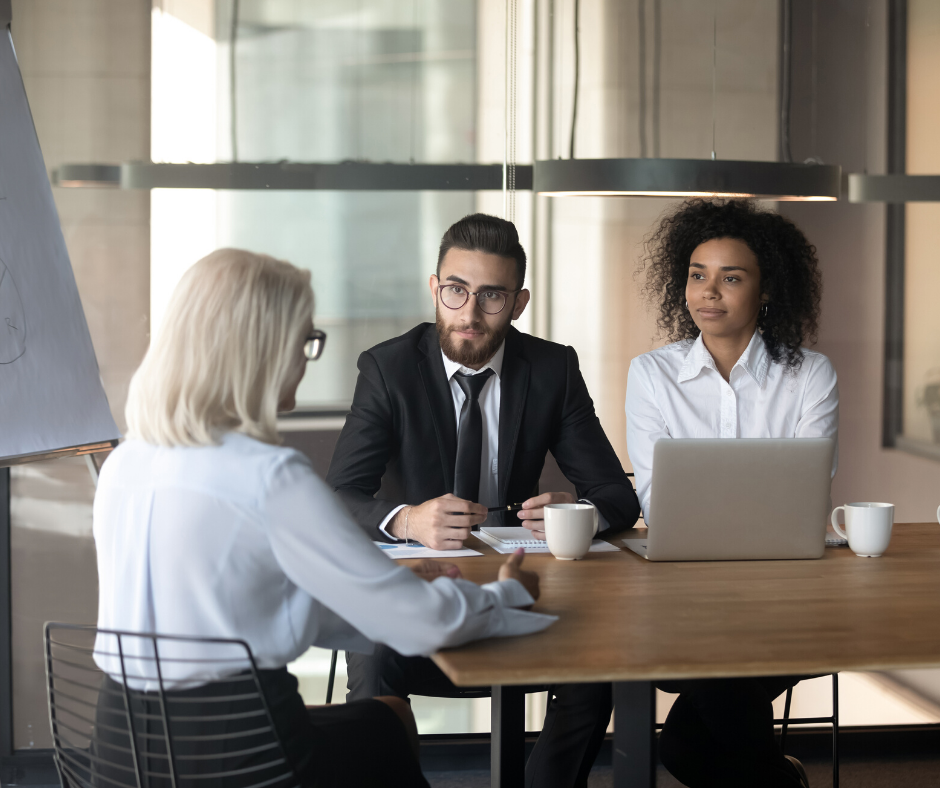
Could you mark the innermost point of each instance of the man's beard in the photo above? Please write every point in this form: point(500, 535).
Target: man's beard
point(462, 352)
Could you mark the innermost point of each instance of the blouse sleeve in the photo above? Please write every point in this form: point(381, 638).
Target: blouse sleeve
point(322, 551)
point(645, 426)
point(819, 414)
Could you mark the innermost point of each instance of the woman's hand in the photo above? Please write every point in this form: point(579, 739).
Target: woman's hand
point(429, 569)
point(512, 570)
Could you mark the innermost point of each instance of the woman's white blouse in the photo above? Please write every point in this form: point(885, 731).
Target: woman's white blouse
point(244, 540)
point(676, 391)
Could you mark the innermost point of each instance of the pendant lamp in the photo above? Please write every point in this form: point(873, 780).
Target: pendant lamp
point(659, 177)
point(765, 180)
point(894, 188)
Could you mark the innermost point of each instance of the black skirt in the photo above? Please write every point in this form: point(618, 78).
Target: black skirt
point(362, 743)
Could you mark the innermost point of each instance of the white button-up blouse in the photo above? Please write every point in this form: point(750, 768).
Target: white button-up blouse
point(244, 540)
point(676, 391)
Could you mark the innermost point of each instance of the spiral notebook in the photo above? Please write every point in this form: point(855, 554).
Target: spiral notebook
point(508, 539)
point(512, 536)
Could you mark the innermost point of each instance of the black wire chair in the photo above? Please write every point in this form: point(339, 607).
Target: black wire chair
point(786, 721)
point(141, 710)
point(833, 721)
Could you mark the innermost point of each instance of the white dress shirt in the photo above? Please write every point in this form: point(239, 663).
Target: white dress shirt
point(677, 392)
point(244, 540)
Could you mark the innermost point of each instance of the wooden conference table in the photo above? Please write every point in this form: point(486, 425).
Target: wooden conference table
point(630, 621)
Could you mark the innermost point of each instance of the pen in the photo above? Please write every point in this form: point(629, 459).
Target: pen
point(512, 507)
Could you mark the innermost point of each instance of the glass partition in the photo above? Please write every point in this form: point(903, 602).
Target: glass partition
point(384, 80)
point(921, 408)
point(320, 81)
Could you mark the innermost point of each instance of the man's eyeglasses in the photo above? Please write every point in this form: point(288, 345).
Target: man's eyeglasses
point(313, 347)
point(492, 302)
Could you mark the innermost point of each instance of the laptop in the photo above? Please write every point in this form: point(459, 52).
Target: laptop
point(738, 499)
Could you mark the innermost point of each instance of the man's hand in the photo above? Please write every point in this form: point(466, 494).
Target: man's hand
point(441, 523)
point(533, 513)
point(429, 569)
point(512, 570)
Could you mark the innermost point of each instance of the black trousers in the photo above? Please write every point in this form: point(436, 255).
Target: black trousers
point(572, 734)
point(362, 744)
point(720, 732)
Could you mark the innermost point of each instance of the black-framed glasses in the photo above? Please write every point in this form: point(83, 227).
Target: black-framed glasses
point(492, 302)
point(313, 347)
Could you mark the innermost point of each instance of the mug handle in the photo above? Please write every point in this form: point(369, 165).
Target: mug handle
point(834, 519)
point(596, 520)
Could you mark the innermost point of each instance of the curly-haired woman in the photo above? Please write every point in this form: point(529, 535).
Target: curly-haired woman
point(737, 288)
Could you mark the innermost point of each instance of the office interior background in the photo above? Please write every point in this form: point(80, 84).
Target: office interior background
point(425, 81)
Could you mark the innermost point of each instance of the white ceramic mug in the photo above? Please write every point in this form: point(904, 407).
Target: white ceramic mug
point(938, 514)
point(569, 529)
point(867, 527)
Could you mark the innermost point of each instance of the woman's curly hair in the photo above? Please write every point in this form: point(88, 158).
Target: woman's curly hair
point(789, 272)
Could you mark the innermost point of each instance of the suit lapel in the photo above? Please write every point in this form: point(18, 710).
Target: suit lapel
point(440, 402)
point(513, 389)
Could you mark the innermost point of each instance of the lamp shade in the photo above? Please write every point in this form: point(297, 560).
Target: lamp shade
point(87, 175)
point(765, 180)
point(303, 176)
point(893, 188)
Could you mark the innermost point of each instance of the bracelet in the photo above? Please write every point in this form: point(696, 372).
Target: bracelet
point(407, 512)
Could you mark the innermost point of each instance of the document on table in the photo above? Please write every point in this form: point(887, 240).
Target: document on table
point(397, 551)
point(503, 541)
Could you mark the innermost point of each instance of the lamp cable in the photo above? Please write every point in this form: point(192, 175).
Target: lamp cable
point(641, 73)
point(577, 75)
point(714, 77)
point(786, 25)
point(657, 73)
point(509, 127)
point(233, 117)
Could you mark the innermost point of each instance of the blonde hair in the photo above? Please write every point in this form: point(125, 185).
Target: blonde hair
point(228, 341)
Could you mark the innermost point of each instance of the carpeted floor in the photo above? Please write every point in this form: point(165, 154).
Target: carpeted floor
point(853, 774)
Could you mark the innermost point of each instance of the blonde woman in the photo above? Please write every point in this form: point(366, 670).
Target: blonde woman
point(206, 526)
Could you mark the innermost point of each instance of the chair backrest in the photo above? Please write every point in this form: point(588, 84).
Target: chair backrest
point(144, 710)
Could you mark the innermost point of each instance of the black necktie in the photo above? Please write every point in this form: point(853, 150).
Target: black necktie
point(470, 436)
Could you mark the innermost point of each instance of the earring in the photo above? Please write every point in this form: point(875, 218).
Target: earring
point(686, 304)
point(763, 309)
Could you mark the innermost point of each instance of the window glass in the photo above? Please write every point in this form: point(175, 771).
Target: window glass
point(921, 422)
point(320, 81)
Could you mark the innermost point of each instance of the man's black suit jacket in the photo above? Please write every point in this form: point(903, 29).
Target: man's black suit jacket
point(399, 444)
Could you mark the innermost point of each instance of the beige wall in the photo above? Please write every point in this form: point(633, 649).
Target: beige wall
point(851, 111)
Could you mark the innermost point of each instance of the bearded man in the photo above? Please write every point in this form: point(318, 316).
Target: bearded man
point(450, 419)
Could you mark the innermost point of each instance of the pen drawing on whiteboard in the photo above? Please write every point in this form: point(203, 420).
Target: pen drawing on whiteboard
point(12, 319)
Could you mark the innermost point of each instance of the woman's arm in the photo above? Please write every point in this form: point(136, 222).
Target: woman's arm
point(325, 553)
point(819, 413)
point(645, 426)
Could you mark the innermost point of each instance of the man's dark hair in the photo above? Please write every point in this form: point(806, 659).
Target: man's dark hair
point(480, 232)
point(789, 272)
